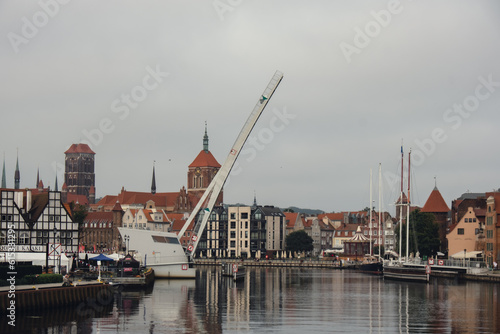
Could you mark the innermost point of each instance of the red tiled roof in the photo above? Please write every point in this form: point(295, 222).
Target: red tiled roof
point(79, 148)
point(291, 218)
point(175, 216)
point(178, 224)
point(117, 207)
point(205, 159)
point(435, 203)
point(80, 199)
point(99, 216)
point(135, 197)
point(332, 216)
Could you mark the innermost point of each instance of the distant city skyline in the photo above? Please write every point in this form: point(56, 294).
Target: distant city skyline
point(139, 81)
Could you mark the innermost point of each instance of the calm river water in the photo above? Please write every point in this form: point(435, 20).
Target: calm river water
point(284, 300)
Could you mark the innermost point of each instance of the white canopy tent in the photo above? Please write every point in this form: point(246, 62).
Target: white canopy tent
point(468, 255)
point(39, 259)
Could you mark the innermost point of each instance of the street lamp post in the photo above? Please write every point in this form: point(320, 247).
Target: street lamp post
point(127, 242)
point(56, 239)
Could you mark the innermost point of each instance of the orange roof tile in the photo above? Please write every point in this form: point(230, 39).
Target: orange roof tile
point(332, 216)
point(79, 148)
point(80, 199)
point(178, 224)
point(291, 218)
point(435, 203)
point(99, 216)
point(205, 159)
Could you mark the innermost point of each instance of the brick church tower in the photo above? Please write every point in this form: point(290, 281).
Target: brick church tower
point(79, 176)
point(201, 172)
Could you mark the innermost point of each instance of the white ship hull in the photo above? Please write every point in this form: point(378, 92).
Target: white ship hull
point(160, 251)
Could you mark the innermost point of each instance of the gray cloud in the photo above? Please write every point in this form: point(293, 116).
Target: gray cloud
point(349, 116)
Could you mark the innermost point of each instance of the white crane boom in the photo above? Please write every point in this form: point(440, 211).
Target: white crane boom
point(210, 195)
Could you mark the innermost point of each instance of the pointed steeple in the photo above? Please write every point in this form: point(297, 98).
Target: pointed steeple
point(153, 181)
point(254, 199)
point(4, 181)
point(38, 176)
point(17, 174)
point(56, 188)
point(205, 139)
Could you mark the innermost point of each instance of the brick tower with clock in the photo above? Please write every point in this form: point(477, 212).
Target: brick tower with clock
point(201, 172)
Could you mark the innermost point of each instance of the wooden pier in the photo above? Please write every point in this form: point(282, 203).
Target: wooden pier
point(43, 296)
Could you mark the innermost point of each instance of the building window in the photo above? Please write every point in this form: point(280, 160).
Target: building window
point(489, 234)
point(244, 215)
point(489, 221)
point(233, 215)
point(460, 231)
point(24, 238)
point(233, 225)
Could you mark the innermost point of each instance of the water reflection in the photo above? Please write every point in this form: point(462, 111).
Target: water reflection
point(288, 300)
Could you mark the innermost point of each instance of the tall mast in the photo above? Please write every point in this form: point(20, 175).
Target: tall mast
point(400, 207)
point(408, 209)
point(380, 238)
point(371, 201)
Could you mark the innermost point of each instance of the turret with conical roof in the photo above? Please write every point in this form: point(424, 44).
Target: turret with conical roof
point(436, 205)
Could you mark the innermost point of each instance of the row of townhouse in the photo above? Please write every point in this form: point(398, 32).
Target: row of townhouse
point(32, 222)
point(329, 231)
point(474, 230)
point(236, 231)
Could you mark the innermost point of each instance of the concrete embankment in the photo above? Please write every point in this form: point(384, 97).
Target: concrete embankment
point(277, 263)
point(43, 296)
point(493, 276)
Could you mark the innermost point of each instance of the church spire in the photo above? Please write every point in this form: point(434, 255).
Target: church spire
point(38, 177)
point(254, 200)
point(205, 139)
point(17, 174)
point(56, 187)
point(4, 181)
point(153, 181)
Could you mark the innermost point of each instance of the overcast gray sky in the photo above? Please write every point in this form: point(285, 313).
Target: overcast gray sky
point(138, 80)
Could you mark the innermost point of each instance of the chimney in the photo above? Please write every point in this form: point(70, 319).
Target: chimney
point(18, 199)
point(28, 200)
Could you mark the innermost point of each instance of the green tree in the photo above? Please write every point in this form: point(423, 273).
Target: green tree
point(79, 213)
point(424, 234)
point(382, 251)
point(299, 241)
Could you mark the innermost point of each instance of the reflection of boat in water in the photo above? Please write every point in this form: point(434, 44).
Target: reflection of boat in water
point(234, 270)
point(161, 251)
point(372, 265)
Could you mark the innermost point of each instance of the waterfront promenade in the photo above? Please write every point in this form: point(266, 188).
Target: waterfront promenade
point(485, 275)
